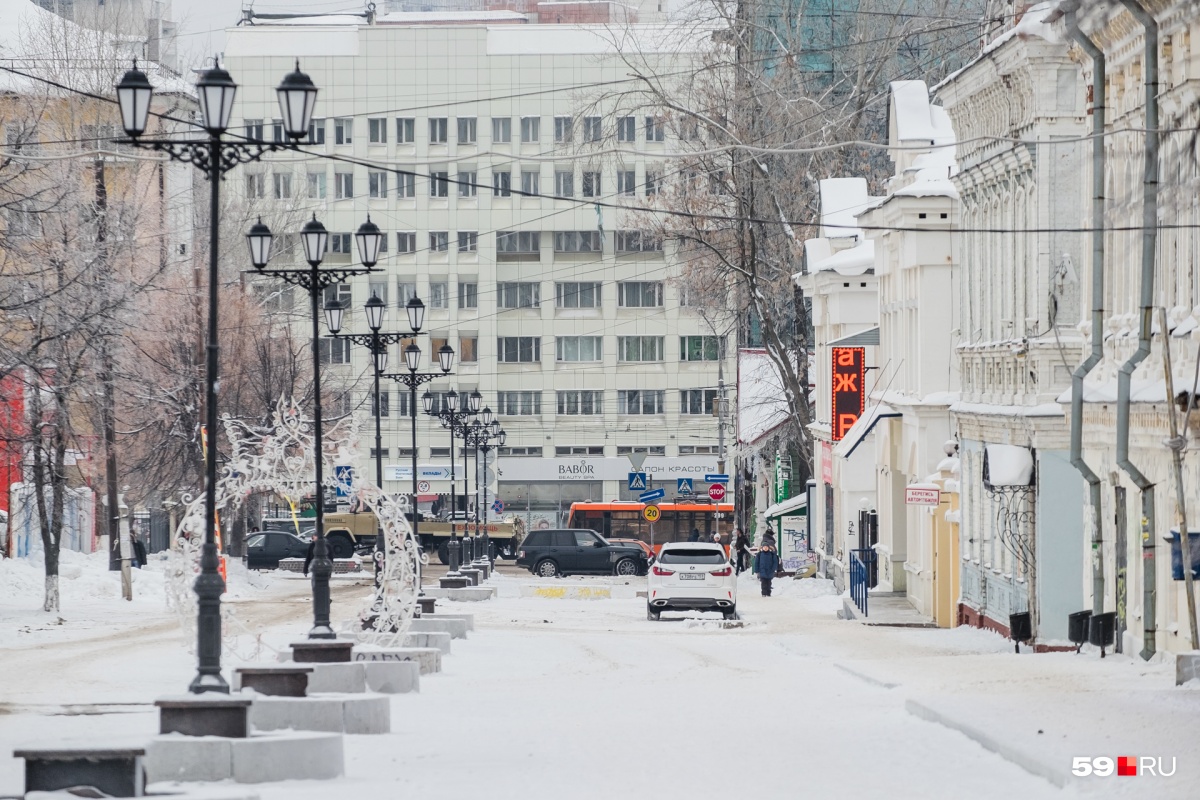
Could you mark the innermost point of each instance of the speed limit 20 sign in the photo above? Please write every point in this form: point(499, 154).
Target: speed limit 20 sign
point(651, 513)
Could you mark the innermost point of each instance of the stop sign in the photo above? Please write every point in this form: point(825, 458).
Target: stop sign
point(716, 492)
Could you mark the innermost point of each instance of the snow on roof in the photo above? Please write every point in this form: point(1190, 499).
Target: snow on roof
point(1031, 25)
point(761, 407)
point(910, 111)
point(791, 506)
point(1008, 465)
point(843, 199)
point(915, 120)
point(852, 261)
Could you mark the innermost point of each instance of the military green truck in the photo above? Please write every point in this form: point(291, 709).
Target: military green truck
point(350, 532)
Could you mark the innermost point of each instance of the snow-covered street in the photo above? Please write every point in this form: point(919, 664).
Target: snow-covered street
point(587, 699)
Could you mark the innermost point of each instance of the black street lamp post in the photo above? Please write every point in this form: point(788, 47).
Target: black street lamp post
point(214, 157)
point(412, 379)
point(454, 419)
point(314, 281)
point(481, 435)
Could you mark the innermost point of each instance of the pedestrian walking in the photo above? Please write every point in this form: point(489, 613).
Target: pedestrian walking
point(694, 536)
point(766, 563)
point(716, 537)
point(139, 549)
point(741, 547)
point(308, 555)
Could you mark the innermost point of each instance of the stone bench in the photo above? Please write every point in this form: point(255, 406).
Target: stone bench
point(321, 651)
point(426, 604)
point(334, 713)
point(434, 639)
point(469, 619)
point(115, 771)
point(274, 681)
point(457, 628)
point(259, 758)
point(209, 714)
point(427, 659)
point(454, 582)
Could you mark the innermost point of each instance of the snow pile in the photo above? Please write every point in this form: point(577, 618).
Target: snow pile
point(83, 578)
point(842, 200)
point(804, 589)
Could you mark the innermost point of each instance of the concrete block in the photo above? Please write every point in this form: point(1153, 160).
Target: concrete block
point(348, 677)
point(467, 618)
point(367, 713)
point(296, 755)
point(429, 659)
point(393, 677)
point(297, 713)
point(457, 628)
point(450, 582)
point(1187, 668)
point(435, 639)
point(175, 757)
point(470, 594)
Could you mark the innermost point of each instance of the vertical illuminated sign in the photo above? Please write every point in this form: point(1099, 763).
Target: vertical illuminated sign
point(847, 395)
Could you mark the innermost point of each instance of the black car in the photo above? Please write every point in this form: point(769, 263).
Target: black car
point(564, 552)
point(264, 550)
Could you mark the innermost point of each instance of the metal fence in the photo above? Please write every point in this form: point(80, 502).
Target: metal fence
point(862, 563)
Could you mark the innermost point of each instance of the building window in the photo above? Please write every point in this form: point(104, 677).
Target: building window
point(626, 182)
point(501, 183)
point(564, 183)
point(591, 129)
point(531, 129)
point(655, 130)
point(701, 348)
point(282, 183)
point(380, 403)
point(523, 294)
point(583, 403)
point(639, 348)
point(381, 453)
point(377, 130)
point(653, 181)
point(256, 185)
point(528, 452)
point(379, 289)
point(406, 289)
point(342, 244)
point(639, 294)
point(468, 241)
point(439, 297)
point(377, 185)
point(580, 450)
point(501, 130)
point(687, 449)
point(438, 130)
point(577, 242)
point(468, 349)
point(316, 132)
point(277, 134)
point(439, 184)
point(254, 130)
point(508, 242)
point(577, 295)
point(579, 348)
point(406, 242)
point(626, 129)
point(591, 184)
point(406, 185)
point(530, 184)
point(343, 185)
point(466, 130)
point(519, 404)
point(640, 401)
point(406, 130)
point(518, 349)
point(651, 450)
point(343, 131)
point(334, 351)
point(638, 242)
point(697, 401)
point(468, 295)
point(316, 185)
point(439, 241)
point(564, 129)
point(467, 184)
point(272, 297)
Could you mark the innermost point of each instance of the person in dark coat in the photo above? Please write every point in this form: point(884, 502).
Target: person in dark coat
point(766, 563)
point(741, 547)
point(308, 554)
point(139, 549)
point(694, 536)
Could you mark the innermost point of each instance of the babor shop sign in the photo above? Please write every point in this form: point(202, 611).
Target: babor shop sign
point(602, 469)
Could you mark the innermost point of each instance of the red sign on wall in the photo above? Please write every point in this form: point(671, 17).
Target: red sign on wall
point(847, 395)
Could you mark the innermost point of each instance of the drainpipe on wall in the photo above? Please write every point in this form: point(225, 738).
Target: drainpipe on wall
point(1099, 84)
point(1145, 311)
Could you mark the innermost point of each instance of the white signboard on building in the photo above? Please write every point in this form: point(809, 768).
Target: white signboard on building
point(922, 496)
point(425, 472)
point(584, 468)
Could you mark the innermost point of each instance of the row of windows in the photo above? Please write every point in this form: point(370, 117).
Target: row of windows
point(508, 243)
point(509, 294)
point(381, 184)
point(404, 129)
point(569, 403)
point(528, 349)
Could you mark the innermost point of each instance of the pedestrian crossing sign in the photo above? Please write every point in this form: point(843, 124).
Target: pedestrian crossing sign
point(683, 486)
point(637, 481)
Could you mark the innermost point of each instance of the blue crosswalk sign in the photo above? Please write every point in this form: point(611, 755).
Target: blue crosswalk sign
point(637, 481)
point(683, 486)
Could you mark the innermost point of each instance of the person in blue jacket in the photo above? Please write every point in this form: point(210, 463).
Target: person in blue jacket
point(766, 563)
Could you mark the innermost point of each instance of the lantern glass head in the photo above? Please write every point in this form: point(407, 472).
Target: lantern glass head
point(381, 360)
point(133, 97)
point(216, 91)
point(487, 415)
point(494, 428)
point(412, 359)
point(314, 237)
point(259, 240)
point(334, 311)
point(375, 311)
point(474, 401)
point(446, 358)
point(503, 438)
point(370, 240)
point(297, 99)
point(416, 314)
point(427, 401)
point(452, 400)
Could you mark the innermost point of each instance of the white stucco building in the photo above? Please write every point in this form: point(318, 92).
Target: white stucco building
point(499, 158)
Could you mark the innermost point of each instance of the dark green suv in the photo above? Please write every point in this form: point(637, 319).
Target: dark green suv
point(566, 552)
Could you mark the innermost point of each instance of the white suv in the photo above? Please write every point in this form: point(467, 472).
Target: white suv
point(691, 575)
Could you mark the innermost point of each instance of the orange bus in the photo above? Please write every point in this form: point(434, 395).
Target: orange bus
point(623, 520)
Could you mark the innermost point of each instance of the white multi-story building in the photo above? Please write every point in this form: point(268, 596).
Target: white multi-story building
point(501, 159)
point(148, 24)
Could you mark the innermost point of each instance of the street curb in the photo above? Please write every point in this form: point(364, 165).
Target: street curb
point(1012, 754)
